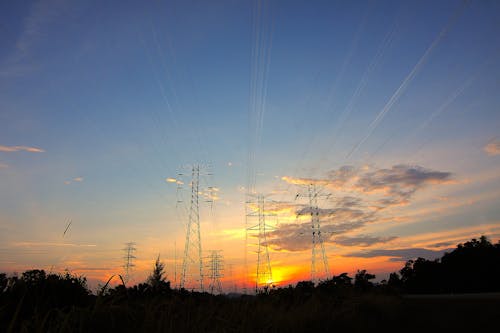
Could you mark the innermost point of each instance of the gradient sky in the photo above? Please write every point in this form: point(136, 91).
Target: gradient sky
point(392, 107)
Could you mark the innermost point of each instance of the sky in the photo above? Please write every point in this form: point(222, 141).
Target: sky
point(387, 112)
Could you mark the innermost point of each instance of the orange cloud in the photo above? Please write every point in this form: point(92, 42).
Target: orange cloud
point(303, 181)
point(492, 148)
point(10, 149)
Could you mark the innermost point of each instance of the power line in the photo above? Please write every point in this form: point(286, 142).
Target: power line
point(264, 275)
point(215, 267)
point(192, 247)
point(317, 244)
point(129, 257)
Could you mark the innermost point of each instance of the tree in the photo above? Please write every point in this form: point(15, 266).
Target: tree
point(394, 281)
point(34, 277)
point(305, 288)
point(473, 266)
point(342, 280)
point(362, 280)
point(156, 280)
point(3, 282)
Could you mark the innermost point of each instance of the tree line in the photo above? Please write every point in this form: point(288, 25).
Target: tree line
point(35, 300)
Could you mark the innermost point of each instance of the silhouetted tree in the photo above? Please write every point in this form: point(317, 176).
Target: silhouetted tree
point(343, 280)
point(3, 282)
point(394, 281)
point(362, 280)
point(305, 287)
point(472, 267)
point(34, 277)
point(156, 280)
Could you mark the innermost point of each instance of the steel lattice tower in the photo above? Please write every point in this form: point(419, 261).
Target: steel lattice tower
point(264, 275)
point(317, 240)
point(192, 246)
point(129, 258)
point(215, 267)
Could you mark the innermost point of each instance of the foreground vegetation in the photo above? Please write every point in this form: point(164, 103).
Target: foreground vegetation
point(40, 302)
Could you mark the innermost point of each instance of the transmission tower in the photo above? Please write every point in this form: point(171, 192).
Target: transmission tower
point(129, 258)
point(317, 239)
point(192, 245)
point(264, 276)
point(215, 267)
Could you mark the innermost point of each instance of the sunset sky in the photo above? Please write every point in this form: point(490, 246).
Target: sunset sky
point(390, 108)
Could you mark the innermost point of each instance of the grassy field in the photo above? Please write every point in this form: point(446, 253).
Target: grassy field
point(186, 312)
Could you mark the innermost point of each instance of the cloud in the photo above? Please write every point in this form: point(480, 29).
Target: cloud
point(365, 193)
point(442, 244)
point(303, 181)
point(492, 148)
point(362, 240)
point(297, 236)
point(3, 165)
point(349, 201)
point(399, 182)
point(84, 269)
point(49, 244)
point(10, 149)
point(399, 254)
point(76, 179)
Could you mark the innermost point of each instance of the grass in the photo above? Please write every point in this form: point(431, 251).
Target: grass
point(186, 312)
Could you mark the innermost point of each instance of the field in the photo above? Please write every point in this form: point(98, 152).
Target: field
point(290, 310)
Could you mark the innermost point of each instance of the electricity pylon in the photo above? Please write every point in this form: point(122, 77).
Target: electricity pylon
point(317, 239)
point(129, 259)
point(215, 267)
point(192, 245)
point(264, 275)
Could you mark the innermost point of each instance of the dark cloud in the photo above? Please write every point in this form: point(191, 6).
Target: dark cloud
point(441, 244)
point(400, 182)
point(333, 214)
point(399, 254)
point(297, 236)
point(348, 202)
point(361, 240)
point(342, 176)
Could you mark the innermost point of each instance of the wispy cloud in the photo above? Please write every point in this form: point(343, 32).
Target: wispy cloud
point(439, 239)
point(400, 182)
point(492, 148)
point(297, 236)
point(369, 191)
point(11, 149)
point(49, 244)
point(76, 179)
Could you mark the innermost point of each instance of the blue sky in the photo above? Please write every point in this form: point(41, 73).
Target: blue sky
point(100, 103)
